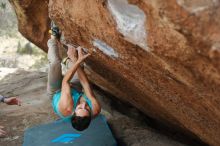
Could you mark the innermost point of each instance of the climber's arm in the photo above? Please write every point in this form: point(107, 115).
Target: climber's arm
point(88, 91)
point(66, 101)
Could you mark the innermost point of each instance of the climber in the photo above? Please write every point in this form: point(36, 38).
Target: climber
point(68, 101)
point(8, 101)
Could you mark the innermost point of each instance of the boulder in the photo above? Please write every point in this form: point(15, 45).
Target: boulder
point(33, 20)
point(163, 57)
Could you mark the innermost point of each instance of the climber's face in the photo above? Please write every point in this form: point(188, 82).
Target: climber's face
point(82, 109)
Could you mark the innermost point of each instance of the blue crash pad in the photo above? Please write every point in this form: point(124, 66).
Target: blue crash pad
point(61, 133)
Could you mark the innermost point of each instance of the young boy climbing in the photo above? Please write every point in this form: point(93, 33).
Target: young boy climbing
point(68, 102)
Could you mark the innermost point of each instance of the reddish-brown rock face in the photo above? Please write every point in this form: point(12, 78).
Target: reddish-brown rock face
point(33, 20)
point(161, 56)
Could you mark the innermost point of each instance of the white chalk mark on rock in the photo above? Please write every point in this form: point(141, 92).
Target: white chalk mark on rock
point(195, 6)
point(214, 51)
point(106, 49)
point(130, 21)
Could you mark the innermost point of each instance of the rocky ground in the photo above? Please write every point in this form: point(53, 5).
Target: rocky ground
point(129, 126)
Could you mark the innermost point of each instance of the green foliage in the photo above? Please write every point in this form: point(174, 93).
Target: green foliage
point(41, 62)
point(8, 20)
point(27, 49)
point(3, 5)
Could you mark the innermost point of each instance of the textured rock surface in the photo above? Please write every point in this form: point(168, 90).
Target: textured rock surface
point(172, 72)
point(33, 20)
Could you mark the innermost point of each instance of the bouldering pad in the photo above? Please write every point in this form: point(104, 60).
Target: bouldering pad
point(61, 133)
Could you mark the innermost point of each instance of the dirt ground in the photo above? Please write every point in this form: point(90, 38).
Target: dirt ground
point(35, 109)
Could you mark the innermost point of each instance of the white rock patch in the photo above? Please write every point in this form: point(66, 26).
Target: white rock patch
point(196, 6)
point(106, 49)
point(130, 21)
point(215, 50)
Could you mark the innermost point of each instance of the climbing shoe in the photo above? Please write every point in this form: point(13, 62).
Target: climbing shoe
point(54, 30)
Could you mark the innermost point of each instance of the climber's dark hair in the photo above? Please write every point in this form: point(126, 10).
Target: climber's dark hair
point(80, 123)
